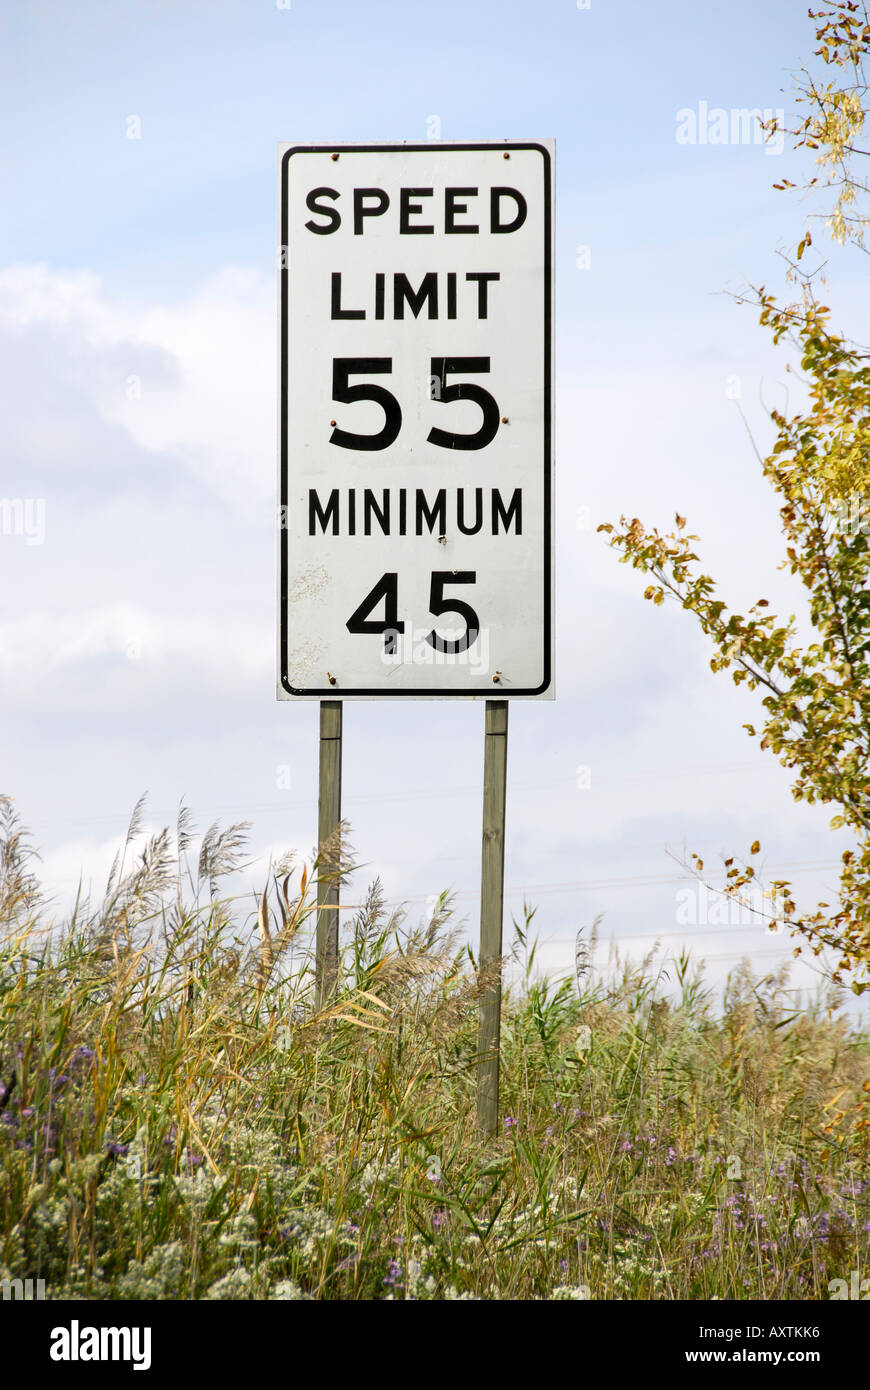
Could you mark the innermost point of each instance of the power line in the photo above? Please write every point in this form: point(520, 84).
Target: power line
point(794, 866)
point(418, 794)
point(604, 884)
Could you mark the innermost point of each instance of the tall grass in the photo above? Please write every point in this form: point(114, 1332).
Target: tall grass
point(176, 1120)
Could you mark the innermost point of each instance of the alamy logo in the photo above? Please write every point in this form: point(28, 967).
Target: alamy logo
point(23, 516)
point(856, 1288)
point(741, 125)
point(75, 1343)
point(852, 515)
point(700, 906)
point(468, 646)
point(22, 1289)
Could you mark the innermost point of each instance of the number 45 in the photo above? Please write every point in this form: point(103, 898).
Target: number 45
point(387, 591)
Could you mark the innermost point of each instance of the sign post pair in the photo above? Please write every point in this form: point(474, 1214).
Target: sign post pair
point(416, 492)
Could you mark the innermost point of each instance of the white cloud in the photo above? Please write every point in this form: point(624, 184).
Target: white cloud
point(127, 657)
point(194, 383)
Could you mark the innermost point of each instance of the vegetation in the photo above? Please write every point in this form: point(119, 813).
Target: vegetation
point(176, 1121)
point(816, 694)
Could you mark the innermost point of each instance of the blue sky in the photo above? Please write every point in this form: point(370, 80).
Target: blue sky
point(217, 83)
point(137, 640)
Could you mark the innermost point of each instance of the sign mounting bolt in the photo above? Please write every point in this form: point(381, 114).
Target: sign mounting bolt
point(442, 540)
point(496, 678)
point(333, 156)
point(505, 420)
point(506, 154)
point(330, 677)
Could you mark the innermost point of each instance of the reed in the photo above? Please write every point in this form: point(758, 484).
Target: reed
point(178, 1121)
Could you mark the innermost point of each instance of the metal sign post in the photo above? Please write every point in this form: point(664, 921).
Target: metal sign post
point(328, 850)
point(491, 913)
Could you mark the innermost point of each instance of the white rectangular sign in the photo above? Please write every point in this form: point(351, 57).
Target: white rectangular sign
point(416, 500)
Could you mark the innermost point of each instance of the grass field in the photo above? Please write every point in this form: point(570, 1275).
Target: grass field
point(177, 1122)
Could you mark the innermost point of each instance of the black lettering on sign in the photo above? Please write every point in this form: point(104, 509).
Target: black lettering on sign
point(483, 278)
point(416, 298)
point(439, 603)
point(508, 210)
point(332, 213)
point(495, 222)
point(317, 513)
point(452, 207)
point(343, 368)
point(433, 514)
point(515, 511)
point(407, 209)
point(462, 391)
point(336, 310)
point(360, 211)
point(478, 511)
point(360, 621)
point(386, 591)
point(382, 512)
point(426, 294)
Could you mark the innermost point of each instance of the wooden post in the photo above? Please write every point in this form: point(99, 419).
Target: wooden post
point(329, 815)
point(491, 911)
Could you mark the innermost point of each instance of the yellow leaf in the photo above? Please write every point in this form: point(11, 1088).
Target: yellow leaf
point(375, 1000)
point(263, 917)
point(348, 1018)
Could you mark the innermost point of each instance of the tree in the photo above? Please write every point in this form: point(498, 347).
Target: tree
point(835, 116)
point(816, 700)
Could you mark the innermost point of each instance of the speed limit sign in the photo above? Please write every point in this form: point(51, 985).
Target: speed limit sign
point(415, 519)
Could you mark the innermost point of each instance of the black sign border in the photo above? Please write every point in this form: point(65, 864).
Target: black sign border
point(498, 692)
